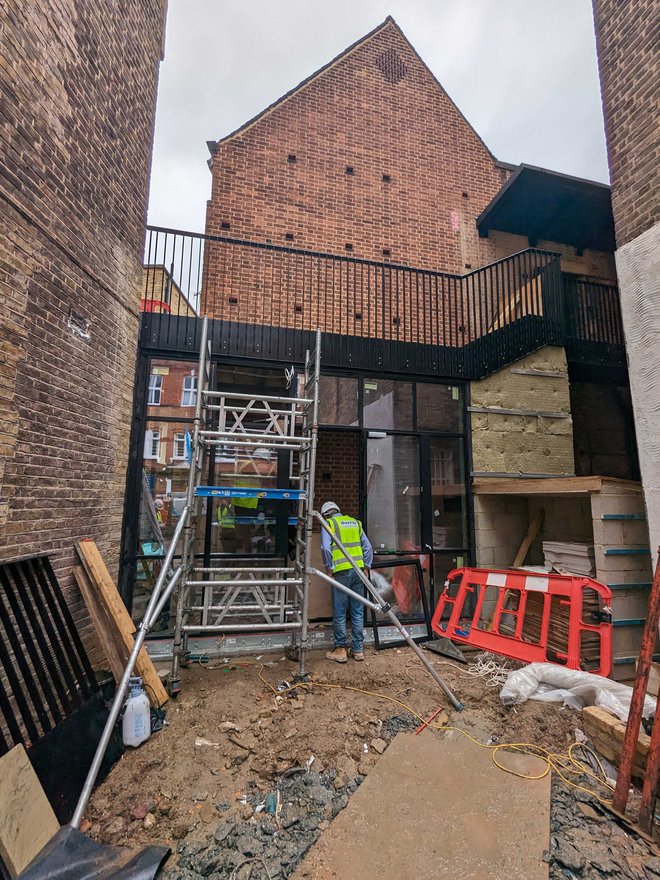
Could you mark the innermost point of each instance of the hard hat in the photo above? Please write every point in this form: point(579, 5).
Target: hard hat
point(262, 452)
point(328, 508)
point(158, 504)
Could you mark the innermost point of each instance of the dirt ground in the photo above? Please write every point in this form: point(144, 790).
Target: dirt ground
point(229, 736)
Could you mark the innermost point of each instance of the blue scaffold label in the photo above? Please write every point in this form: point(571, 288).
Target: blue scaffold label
point(246, 492)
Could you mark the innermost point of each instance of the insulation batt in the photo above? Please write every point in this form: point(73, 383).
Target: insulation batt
point(556, 684)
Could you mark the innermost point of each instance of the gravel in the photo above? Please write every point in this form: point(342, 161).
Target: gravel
point(590, 844)
point(309, 801)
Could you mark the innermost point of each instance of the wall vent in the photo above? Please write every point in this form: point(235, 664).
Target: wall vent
point(391, 66)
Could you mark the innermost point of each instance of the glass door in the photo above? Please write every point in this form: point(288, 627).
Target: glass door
point(394, 521)
point(444, 507)
point(393, 492)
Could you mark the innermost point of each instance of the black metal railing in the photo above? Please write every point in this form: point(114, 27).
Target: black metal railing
point(44, 671)
point(266, 300)
point(593, 328)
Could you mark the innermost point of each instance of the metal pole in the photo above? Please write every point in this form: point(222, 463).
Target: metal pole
point(333, 583)
point(383, 607)
point(629, 747)
point(650, 787)
point(149, 615)
point(310, 463)
point(192, 503)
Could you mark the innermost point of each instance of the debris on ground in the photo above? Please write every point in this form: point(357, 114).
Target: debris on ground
point(246, 772)
point(587, 842)
point(309, 801)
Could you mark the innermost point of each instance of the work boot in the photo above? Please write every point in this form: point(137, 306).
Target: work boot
point(338, 655)
point(358, 655)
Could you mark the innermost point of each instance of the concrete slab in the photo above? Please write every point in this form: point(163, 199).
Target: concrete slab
point(27, 821)
point(436, 806)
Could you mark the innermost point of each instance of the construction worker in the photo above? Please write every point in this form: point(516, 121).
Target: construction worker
point(259, 463)
point(226, 517)
point(159, 508)
point(351, 534)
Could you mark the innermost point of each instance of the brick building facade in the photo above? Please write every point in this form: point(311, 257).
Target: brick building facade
point(172, 395)
point(370, 159)
point(627, 41)
point(460, 300)
point(77, 104)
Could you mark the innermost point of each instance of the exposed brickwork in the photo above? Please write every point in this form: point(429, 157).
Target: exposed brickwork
point(338, 470)
point(369, 159)
point(353, 116)
point(77, 97)
point(627, 35)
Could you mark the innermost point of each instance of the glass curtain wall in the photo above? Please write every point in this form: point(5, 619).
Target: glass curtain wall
point(413, 498)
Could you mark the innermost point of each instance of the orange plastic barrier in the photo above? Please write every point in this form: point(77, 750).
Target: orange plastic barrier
point(512, 589)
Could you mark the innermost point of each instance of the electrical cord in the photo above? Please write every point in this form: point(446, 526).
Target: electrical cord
point(554, 761)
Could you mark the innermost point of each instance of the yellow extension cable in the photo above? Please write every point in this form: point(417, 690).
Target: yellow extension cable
point(554, 761)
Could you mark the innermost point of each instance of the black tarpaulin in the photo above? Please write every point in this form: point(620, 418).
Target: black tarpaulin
point(71, 855)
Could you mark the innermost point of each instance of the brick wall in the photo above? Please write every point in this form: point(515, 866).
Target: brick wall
point(77, 97)
point(284, 178)
point(627, 41)
point(338, 470)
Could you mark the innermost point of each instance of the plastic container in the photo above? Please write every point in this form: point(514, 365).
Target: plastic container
point(136, 724)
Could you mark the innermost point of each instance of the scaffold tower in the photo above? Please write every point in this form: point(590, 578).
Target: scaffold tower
point(266, 594)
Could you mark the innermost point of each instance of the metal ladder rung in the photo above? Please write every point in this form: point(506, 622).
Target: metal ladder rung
point(244, 569)
point(240, 627)
point(283, 582)
point(241, 609)
point(265, 398)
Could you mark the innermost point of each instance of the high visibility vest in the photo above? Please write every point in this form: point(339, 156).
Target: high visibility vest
point(349, 531)
point(226, 517)
point(247, 482)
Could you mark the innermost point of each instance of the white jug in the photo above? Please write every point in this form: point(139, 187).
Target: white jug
point(136, 724)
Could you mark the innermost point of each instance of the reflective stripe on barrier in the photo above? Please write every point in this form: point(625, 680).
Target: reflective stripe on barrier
point(511, 633)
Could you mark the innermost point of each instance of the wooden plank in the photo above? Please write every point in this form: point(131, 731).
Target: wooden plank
point(606, 733)
point(120, 622)
point(115, 654)
point(540, 486)
point(532, 532)
point(27, 821)
point(530, 537)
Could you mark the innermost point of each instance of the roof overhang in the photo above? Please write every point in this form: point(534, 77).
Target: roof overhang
point(542, 204)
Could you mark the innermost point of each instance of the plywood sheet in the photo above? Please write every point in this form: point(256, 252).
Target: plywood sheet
point(436, 806)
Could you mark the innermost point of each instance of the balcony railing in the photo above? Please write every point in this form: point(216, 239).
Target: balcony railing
point(266, 300)
point(593, 326)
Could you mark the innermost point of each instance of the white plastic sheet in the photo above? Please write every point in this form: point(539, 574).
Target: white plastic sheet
point(556, 684)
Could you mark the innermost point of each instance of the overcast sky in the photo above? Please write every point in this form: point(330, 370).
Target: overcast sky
point(523, 72)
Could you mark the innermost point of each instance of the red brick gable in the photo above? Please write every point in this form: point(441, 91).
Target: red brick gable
point(420, 174)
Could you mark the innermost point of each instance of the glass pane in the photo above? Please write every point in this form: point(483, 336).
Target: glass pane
point(245, 525)
point(387, 404)
point(393, 493)
point(440, 407)
point(166, 382)
point(338, 401)
point(447, 493)
point(443, 563)
point(404, 586)
point(164, 482)
point(249, 378)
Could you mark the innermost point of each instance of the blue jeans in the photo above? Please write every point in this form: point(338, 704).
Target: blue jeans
point(341, 603)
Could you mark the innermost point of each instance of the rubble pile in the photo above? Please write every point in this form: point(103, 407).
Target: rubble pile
point(275, 841)
point(587, 843)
